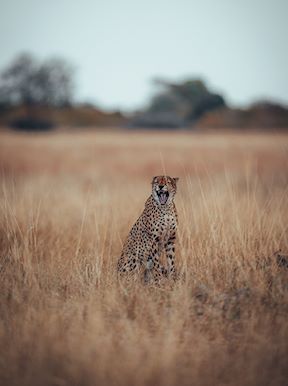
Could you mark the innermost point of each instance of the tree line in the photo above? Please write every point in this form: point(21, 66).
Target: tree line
point(33, 93)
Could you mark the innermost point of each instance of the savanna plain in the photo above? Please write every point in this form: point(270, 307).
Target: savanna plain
point(67, 202)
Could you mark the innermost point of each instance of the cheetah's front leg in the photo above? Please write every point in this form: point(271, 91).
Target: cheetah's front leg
point(153, 267)
point(170, 255)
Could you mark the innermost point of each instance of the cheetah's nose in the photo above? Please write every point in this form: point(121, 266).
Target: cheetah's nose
point(161, 186)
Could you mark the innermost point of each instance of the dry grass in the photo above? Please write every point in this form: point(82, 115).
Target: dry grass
point(67, 203)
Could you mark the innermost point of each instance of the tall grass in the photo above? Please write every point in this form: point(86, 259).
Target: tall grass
point(67, 204)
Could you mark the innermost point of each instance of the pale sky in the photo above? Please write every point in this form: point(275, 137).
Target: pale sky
point(240, 47)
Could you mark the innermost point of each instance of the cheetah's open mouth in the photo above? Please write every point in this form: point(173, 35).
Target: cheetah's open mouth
point(163, 197)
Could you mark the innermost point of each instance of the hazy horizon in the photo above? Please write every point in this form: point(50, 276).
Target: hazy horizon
point(118, 48)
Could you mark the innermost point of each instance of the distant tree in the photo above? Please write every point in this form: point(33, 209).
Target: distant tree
point(164, 102)
point(191, 90)
point(29, 82)
point(185, 101)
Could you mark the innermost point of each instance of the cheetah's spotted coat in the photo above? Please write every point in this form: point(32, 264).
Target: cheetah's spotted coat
point(153, 232)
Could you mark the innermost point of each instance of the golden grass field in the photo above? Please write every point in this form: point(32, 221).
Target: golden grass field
point(67, 204)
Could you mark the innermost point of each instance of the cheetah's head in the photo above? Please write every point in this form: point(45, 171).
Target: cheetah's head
point(164, 189)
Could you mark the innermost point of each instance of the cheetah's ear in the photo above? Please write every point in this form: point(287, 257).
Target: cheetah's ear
point(176, 179)
point(153, 180)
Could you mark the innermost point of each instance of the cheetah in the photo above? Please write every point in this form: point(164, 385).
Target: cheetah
point(153, 232)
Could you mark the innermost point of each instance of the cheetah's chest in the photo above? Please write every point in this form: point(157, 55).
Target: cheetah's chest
point(165, 225)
